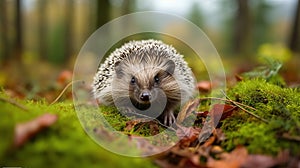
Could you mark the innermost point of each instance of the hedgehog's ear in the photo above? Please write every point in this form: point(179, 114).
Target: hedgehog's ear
point(170, 67)
point(118, 69)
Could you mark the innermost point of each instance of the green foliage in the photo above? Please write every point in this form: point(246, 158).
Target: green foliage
point(267, 71)
point(272, 57)
point(276, 52)
point(64, 144)
point(279, 106)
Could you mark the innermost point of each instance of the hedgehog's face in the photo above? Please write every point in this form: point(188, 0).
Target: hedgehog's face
point(147, 82)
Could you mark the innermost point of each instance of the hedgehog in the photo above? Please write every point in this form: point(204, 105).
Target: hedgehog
point(147, 77)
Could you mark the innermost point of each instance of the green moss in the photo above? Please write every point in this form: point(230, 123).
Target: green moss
point(279, 106)
point(118, 121)
point(64, 144)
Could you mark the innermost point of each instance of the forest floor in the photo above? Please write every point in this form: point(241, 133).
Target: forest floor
point(255, 122)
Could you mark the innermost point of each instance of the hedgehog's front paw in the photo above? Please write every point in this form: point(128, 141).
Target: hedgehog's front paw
point(169, 118)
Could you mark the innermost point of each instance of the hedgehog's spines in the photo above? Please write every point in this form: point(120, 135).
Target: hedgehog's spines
point(151, 48)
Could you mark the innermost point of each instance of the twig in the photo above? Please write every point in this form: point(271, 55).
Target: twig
point(63, 91)
point(140, 127)
point(150, 118)
point(13, 102)
point(235, 103)
point(228, 100)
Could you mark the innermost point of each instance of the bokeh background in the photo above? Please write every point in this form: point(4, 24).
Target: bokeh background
point(40, 39)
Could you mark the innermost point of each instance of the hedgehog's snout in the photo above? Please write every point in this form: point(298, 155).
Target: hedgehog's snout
point(145, 96)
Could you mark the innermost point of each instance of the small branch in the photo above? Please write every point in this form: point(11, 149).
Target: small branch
point(235, 103)
point(13, 102)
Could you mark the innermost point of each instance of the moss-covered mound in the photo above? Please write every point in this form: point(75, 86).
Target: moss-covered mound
point(279, 106)
point(63, 144)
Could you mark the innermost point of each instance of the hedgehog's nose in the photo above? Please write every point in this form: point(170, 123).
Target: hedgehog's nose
point(145, 96)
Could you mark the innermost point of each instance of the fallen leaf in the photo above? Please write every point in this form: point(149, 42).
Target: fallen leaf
point(221, 111)
point(64, 77)
point(259, 161)
point(154, 128)
point(190, 132)
point(179, 157)
point(187, 110)
point(187, 135)
point(216, 149)
point(130, 124)
point(146, 146)
point(24, 131)
point(163, 163)
point(104, 134)
point(234, 159)
point(189, 162)
point(209, 141)
point(218, 133)
point(204, 86)
point(238, 77)
point(202, 114)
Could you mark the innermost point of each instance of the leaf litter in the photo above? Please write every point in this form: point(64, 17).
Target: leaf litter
point(27, 130)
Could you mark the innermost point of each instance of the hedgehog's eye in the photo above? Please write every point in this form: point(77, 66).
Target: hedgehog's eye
point(156, 79)
point(132, 81)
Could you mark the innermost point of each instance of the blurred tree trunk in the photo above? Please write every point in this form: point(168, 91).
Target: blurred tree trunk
point(4, 32)
point(127, 6)
point(103, 12)
point(295, 36)
point(68, 30)
point(195, 14)
point(242, 31)
point(19, 35)
point(42, 16)
point(18, 74)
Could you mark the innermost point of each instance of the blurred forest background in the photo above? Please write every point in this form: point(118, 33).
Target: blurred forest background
point(40, 39)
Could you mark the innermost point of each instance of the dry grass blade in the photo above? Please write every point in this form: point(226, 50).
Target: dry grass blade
point(64, 90)
point(227, 100)
point(254, 115)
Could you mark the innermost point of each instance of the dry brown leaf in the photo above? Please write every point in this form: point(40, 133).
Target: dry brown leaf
point(104, 134)
point(146, 146)
point(204, 86)
point(187, 110)
point(220, 112)
point(24, 131)
point(130, 124)
point(202, 114)
point(179, 157)
point(282, 158)
point(154, 128)
point(209, 141)
point(187, 135)
point(230, 160)
point(64, 77)
point(216, 149)
point(259, 161)
point(238, 77)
